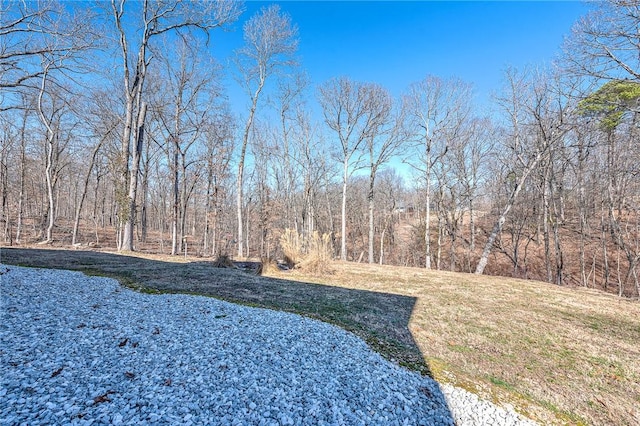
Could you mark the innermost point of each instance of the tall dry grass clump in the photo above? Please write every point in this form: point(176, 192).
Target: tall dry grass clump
point(291, 245)
point(223, 261)
point(314, 255)
point(266, 266)
point(319, 255)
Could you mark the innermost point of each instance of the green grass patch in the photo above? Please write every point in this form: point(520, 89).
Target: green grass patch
point(501, 383)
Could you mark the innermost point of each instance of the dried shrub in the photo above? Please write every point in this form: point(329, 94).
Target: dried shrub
point(223, 261)
point(319, 256)
point(267, 266)
point(291, 245)
point(315, 257)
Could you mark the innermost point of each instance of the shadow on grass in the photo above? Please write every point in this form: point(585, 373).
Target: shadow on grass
point(381, 319)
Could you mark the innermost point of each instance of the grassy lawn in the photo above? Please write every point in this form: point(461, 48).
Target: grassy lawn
point(558, 355)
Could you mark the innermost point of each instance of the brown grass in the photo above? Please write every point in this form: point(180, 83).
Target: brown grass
point(292, 248)
point(562, 356)
point(319, 257)
point(267, 266)
point(223, 261)
point(314, 256)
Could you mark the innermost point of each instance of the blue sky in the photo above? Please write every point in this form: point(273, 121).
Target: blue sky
point(397, 43)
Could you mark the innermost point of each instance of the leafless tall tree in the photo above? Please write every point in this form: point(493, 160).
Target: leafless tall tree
point(270, 43)
point(186, 102)
point(436, 110)
point(533, 130)
point(382, 146)
point(355, 112)
point(604, 44)
point(155, 18)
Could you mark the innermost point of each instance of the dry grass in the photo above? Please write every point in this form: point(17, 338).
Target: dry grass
point(292, 248)
point(561, 356)
point(223, 261)
point(319, 257)
point(266, 267)
point(314, 256)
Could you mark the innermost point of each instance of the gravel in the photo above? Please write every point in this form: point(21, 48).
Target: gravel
point(83, 350)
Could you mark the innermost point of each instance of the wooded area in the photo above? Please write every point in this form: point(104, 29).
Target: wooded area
point(115, 130)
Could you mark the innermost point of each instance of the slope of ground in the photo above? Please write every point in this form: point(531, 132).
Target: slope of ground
point(563, 356)
point(559, 355)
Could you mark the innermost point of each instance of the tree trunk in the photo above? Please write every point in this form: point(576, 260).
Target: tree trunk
point(4, 179)
point(382, 234)
point(144, 226)
point(23, 149)
point(124, 172)
point(50, 189)
point(207, 206)
point(343, 216)
point(605, 256)
point(545, 225)
point(184, 201)
point(83, 195)
point(484, 258)
point(175, 211)
point(582, 212)
point(472, 226)
point(372, 178)
point(427, 230)
point(240, 177)
point(559, 256)
point(127, 242)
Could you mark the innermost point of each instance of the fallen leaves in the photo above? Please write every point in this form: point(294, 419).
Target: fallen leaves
point(427, 392)
point(103, 398)
point(126, 340)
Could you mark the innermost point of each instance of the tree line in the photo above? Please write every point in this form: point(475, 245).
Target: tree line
point(115, 127)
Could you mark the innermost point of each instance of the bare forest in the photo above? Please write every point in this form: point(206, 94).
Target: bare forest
point(116, 133)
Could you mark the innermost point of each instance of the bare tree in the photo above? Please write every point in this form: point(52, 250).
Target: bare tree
point(51, 119)
point(23, 156)
point(270, 43)
point(390, 193)
point(155, 19)
point(612, 105)
point(469, 155)
point(382, 145)
point(29, 30)
point(535, 127)
point(314, 171)
point(436, 109)
point(354, 111)
point(105, 133)
point(289, 105)
point(218, 151)
point(604, 44)
point(183, 108)
point(8, 138)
